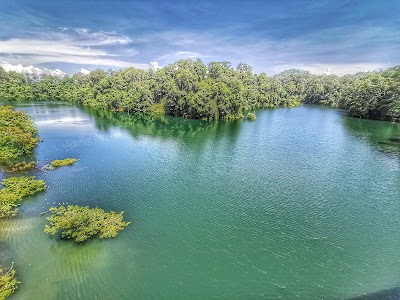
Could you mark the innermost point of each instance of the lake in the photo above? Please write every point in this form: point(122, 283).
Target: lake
point(301, 203)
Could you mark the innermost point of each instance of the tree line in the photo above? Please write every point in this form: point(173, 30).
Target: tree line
point(191, 89)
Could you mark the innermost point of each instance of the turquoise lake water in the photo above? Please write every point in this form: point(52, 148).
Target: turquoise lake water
point(303, 203)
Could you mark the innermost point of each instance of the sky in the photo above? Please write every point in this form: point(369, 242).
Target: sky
point(342, 36)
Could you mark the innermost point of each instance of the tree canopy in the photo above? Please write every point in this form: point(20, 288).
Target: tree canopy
point(374, 95)
point(191, 89)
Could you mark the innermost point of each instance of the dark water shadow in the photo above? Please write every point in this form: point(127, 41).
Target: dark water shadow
point(389, 294)
point(383, 135)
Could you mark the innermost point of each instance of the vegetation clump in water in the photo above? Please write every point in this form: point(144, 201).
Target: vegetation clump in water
point(23, 166)
point(63, 162)
point(8, 282)
point(251, 116)
point(18, 135)
point(15, 188)
point(81, 222)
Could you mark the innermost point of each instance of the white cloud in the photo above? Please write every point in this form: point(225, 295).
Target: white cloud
point(47, 47)
point(74, 46)
point(343, 49)
point(337, 69)
point(315, 51)
point(154, 65)
point(101, 38)
point(84, 71)
point(31, 70)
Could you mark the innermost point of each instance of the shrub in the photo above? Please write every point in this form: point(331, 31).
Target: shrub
point(15, 188)
point(250, 116)
point(81, 222)
point(21, 166)
point(157, 109)
point(63, 162)
point(8, 282)
point(18, 134)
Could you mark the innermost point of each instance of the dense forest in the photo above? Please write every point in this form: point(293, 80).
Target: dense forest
point(191, 89)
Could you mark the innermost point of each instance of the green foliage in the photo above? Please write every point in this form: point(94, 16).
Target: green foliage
point(157, 109)
point(251, 116)
point(21, 166)
point(191, 89)
point(81, 222)
point(18, 135)
point(374, 95)
point(15, 188)
point(63, 162)
point(8, 282)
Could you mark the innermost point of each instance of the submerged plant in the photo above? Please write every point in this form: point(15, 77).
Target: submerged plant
point(8, 283)
point(63, 162)
point(81, 222)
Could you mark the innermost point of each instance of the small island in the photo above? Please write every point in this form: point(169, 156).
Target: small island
point(63, 162)
point(81, 222)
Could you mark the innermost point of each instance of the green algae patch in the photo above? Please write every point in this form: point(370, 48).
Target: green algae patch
point(80, 223)
point(63, 162)
point(15, 188)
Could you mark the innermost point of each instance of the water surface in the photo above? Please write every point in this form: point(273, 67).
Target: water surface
point(302, 203)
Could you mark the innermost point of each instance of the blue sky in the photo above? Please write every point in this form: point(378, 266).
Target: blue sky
point(346, 36)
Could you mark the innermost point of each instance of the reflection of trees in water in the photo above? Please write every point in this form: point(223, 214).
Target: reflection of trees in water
point(385, 136)
point(194, 133)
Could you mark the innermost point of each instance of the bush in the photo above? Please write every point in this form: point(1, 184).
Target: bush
point(18, 134)
point(157, 109)
point(81, 222)
point(63, 162)
point(15, 188)
point(251, 117)
point(8, 283)
point(21, 166)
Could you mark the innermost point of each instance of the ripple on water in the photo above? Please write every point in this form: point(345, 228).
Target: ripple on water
point(294, 205)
